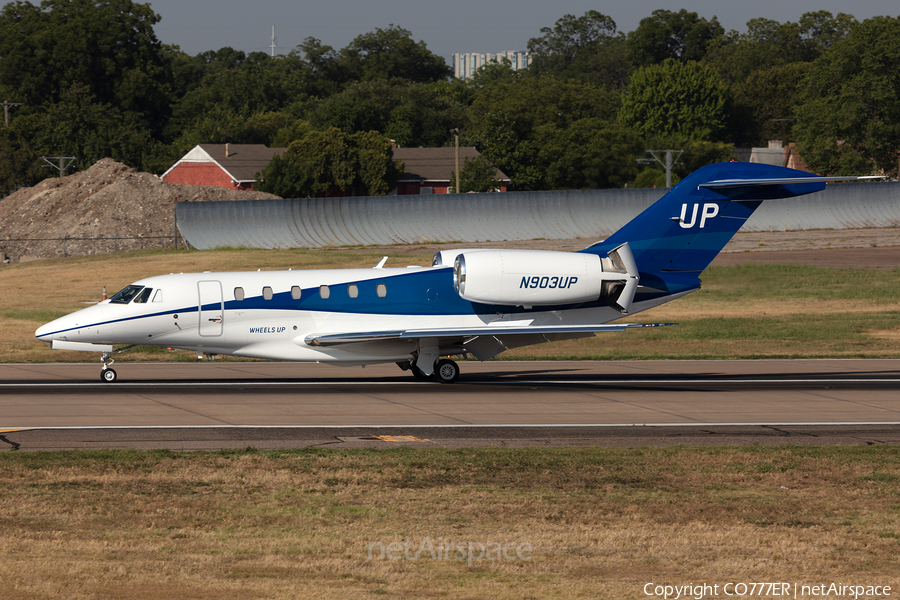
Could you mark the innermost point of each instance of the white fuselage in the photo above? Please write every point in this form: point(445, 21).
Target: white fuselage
point(273, 314)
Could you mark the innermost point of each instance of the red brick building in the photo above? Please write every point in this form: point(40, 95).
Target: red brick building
point(234, 166)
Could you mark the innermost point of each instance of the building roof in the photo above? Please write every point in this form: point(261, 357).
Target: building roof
point(240, 161)
point(779, 155)
point(435, 164)
point(243, 161)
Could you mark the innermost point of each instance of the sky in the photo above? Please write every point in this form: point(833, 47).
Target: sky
point(447, 26)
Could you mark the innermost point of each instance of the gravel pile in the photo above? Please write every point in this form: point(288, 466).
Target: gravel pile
point(109, 207)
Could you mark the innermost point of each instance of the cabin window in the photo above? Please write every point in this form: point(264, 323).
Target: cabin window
point(238, 293)
point(124, 296)
point(353, 291)
point(381, 290)
point(295, 292)
point(267, 293)
point(157, 297)
point(324, 292)
point(143, 296)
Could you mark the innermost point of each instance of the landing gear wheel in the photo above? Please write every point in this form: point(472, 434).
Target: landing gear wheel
point(108, 375)
point(446, 371)
point(418, 374)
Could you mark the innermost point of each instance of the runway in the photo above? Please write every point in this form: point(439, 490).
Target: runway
point(279, 405)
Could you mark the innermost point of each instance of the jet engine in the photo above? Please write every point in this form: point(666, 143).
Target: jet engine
point(539, 278)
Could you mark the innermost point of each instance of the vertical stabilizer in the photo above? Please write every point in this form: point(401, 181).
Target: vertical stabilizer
point(685, 229)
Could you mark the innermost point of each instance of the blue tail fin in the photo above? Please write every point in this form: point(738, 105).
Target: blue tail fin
point(685, 229)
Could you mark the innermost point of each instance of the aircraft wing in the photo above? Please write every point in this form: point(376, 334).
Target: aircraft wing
point(335, 339)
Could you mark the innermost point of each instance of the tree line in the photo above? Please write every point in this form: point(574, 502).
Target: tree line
point(90, 79)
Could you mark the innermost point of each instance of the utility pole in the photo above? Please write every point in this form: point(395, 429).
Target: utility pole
point(667, 165)
point(62, 166)
point(456, 133)
point(6, 106)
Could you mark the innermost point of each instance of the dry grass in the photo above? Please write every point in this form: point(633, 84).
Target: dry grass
point(741, 312)
point(297, 524)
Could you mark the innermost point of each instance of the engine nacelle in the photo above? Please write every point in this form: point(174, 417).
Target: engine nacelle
point(539, 278)
point(529, 277)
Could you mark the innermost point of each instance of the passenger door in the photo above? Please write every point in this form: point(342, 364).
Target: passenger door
point(212, 308)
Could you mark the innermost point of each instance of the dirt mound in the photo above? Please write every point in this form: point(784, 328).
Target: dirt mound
point(107, 208)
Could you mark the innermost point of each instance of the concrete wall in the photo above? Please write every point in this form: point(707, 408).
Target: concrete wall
point(590, 215)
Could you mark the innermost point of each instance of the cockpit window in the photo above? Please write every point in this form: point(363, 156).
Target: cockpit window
point(126, 295)
point(143, 296)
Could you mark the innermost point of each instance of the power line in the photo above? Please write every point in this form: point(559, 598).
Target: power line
point(667, 165)
point(62, 166)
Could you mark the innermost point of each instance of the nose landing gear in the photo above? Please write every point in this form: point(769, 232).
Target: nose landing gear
point(106, 373)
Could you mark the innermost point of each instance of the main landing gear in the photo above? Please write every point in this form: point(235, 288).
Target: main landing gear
point(445, 371)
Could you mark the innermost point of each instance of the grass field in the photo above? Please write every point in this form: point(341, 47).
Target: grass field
point(741, 312)
point(573, 522)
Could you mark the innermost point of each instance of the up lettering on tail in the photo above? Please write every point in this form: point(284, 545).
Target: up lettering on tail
point(710, 210)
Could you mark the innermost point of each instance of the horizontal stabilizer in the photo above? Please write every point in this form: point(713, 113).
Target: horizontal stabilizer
point(734, 183)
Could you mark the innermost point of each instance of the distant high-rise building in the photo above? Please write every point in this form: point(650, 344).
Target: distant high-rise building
point(465, 65)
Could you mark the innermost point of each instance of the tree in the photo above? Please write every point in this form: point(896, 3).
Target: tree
point(653, 177)
point(559, 47)
point(412, 114)
point(20, 166)
point(107, 47)
point(699, 153)
point(589, 154)
point(769, 43)
point(78, 125)
point(684, 100)
point(585, 49)
point(332, 163)
point(327, 73)
point(493, 73)
point(477, 175)
point(232, 94)
point(849, 119)
point(764, 104)
point(666, 35)
point(548, 134)
point(389, 53)
point(506, 119)
point(820, 30)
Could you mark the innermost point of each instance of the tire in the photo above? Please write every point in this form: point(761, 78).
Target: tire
point(108, 375)
point(446, 370)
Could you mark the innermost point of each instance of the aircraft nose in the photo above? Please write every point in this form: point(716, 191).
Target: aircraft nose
point(57, 327)
point(44, 332)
